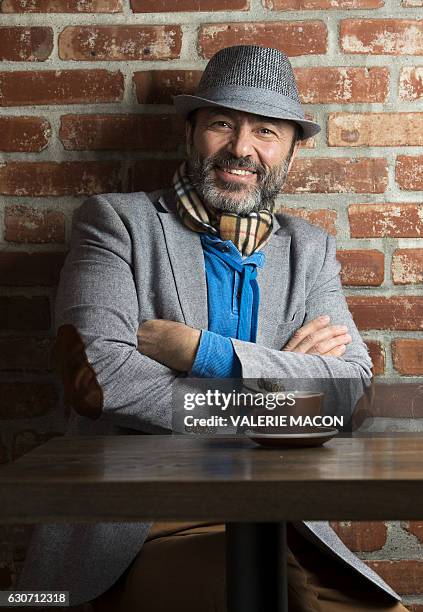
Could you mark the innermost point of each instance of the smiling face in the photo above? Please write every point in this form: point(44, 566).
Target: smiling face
point(237, 161)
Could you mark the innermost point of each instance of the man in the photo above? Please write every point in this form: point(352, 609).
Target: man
point(201, 280)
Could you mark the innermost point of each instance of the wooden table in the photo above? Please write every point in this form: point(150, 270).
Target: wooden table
point(253, 490)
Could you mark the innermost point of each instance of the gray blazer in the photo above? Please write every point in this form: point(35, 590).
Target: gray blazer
point(131, 259)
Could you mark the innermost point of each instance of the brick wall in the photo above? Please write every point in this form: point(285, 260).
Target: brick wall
point(85, 107)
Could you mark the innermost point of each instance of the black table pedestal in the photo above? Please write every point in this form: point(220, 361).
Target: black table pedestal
point(256, 575)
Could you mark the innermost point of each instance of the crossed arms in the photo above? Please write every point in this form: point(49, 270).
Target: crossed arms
point(175, 344)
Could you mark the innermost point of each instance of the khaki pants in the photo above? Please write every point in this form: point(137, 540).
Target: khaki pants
point(181, 568)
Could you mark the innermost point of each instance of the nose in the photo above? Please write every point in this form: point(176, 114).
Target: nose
point(240, 144)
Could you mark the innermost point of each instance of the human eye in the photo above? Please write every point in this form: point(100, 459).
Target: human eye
point(220, 123)
point(265, 131)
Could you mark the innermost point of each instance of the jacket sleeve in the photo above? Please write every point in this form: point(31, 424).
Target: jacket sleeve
point(350, 374)
point(96, 321)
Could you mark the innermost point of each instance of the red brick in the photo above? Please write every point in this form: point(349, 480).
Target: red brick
point(394, 220)
point(120, 42)
point(375, 129)
point(309, 5)
point(55, 179)
point(412, 3)
point(25, 224)
point(407, 356)
point(21, 313)
point(123, 132)
point(24, 134)
point(19, 269)
point(24, 353)
point(361, 267)
point(342, 85)
point(60, 87)
point(323, 217)
point(415, 528)
point(25, 44)
point(405, 577)
point(151, 174)
point(27, 440)
point(407, 266)
point(382, 36)
point(173, 6)
point(409, 172)
point(294, 38)
point(361, 536)
point(411, 83)
point(27, 400)
point(337, 175)
point(377, 354)
point(398, 400)
point(158, 86)
point(403, 312)
point(61, 6)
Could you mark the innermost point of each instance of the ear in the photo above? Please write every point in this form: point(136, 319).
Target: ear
point(294, 153)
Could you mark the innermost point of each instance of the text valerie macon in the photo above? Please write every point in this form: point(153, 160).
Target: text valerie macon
point(264, 420)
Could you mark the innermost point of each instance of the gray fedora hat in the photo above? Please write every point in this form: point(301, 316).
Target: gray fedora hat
point(253, 79)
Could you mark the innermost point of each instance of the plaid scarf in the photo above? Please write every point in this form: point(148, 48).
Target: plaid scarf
point(248, 233)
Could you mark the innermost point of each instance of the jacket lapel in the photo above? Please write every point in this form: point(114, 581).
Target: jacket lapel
point(274, 280)
point(187, 261)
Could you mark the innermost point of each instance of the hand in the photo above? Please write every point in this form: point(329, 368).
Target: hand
point(317, 337)
point(168, 342)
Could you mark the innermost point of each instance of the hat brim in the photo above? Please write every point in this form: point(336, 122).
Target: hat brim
point(184, 104)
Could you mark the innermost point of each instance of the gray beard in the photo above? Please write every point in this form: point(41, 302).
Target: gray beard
point(255, 197)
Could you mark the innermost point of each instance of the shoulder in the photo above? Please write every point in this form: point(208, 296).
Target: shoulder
point(124, 202)
point(311, 246)
point(115, 221)
point(127, 207)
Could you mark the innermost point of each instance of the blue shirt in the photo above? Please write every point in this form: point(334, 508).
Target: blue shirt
point(233, 302)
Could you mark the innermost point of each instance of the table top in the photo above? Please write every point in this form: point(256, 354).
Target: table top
point(218, 478)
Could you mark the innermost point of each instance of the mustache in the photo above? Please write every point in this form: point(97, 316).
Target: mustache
point(239, 163)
